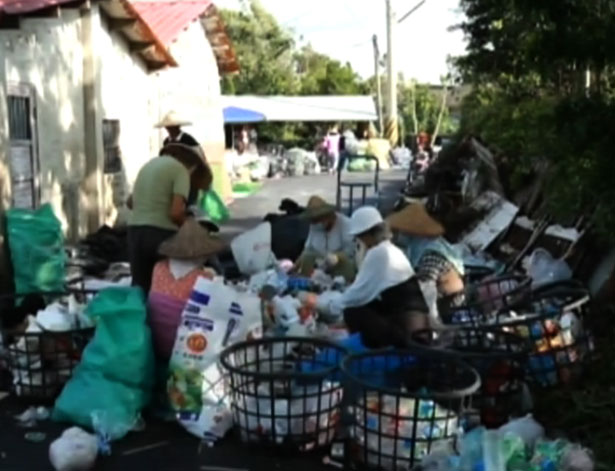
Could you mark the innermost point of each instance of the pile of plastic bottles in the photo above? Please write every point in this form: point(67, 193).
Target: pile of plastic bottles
point(519, 445)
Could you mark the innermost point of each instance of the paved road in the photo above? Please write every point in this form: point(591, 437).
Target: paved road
point(248, 212)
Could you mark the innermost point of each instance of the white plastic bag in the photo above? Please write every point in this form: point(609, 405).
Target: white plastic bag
point(286, 311)
point(215, 316)
point(252, 250)
point(75, 450)
point(56, 318)
point(543, 268)
point(527, 428)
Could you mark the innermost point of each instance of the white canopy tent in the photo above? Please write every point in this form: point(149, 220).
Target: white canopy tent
point(305, 108)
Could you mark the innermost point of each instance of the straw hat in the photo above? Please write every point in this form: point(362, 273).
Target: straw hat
point(191, 241)
point(172, 119)
point(415, 220)
point(317, 208)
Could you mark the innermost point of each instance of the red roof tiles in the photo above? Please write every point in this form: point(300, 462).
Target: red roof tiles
point(168, 19)
point(16, 7)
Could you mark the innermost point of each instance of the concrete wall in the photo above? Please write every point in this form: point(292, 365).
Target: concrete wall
point(52, 55)
point(193, 89)
point(47, 54)
point(128, 94)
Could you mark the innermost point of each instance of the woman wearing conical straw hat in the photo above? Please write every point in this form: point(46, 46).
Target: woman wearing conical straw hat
point(329, 241)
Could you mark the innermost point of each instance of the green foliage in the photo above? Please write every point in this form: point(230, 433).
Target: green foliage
point(264, 50)
point(270, 64)
point(321, 75)
point(528, 62)
point(428, 103)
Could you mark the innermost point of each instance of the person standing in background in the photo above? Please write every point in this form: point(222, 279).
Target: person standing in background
point(173, 123)
point(332, 148)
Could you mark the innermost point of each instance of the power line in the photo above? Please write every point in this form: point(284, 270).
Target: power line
point(305, 14)
point(352, 11)
point(416, 7)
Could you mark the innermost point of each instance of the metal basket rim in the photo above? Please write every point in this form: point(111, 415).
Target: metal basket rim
point(321, 374)
point(520, 341)
point(456, 394)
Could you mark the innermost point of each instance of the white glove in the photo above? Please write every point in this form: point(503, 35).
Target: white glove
point(332, 260)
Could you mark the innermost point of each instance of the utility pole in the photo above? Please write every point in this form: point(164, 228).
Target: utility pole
point(378, 84)
point(392, 132)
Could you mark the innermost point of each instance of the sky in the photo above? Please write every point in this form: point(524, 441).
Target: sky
point(343, 29)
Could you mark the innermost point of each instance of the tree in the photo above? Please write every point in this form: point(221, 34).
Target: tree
point(529, 62)
point(321, 75)
point(424, 106)
point(265, 52)
point(271, 64)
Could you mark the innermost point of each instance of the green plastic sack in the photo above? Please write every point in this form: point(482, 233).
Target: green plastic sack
point(361, 165)
point(214, 207)
point(116, 373)
point(36, 245)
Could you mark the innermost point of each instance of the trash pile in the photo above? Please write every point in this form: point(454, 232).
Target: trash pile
point(520, 445)
point(389, 416)
point(43, 344)
point(284, 392)
point(263, 354)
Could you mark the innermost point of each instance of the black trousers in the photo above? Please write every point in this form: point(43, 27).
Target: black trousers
point(379, 330)
point(391, 320)
point(143, 243)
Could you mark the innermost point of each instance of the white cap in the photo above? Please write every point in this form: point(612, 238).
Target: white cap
point(363, 219)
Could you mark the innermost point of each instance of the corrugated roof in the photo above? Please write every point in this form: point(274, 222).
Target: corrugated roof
point(157, 25)
point(141, 38)
point(168, 19)
point(16, 7)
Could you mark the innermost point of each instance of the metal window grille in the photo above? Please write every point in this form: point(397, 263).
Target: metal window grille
point(19, 118)
point(23, 150)
point(111, 146)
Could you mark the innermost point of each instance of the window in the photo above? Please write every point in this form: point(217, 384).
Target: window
point(23, 149)
point(111, 146)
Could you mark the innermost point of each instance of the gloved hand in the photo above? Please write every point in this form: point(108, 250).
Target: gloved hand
point(332, 260)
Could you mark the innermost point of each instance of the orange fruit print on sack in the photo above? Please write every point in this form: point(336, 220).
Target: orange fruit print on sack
point(197, 343)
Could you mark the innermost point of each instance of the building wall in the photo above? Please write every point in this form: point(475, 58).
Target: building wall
point(47, 54)
point(128, 94)
point(193, 89)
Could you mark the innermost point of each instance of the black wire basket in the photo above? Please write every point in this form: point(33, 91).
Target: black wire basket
point(475, 274)
point(554, 319)
point(483, 300)
point(499, 357)
point(40, 363)
point(285, 392)
point(402, 404)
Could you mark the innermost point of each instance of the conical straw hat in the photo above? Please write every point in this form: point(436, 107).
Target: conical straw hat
point(172, 119)
point(317, 207)
point(191, 241)
point(415, 220)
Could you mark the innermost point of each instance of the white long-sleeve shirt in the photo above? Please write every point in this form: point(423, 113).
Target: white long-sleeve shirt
point(338, 239)
point(384, 266)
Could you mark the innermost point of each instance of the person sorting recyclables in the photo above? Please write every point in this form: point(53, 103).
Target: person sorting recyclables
point(384, 303)
point(329, 243)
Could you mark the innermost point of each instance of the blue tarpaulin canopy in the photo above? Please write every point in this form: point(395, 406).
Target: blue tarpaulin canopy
point(235, 115)
point(252, 108)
